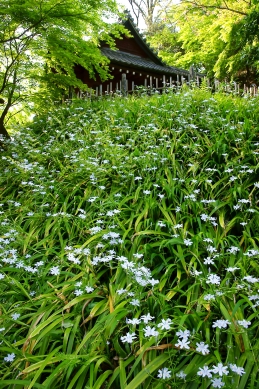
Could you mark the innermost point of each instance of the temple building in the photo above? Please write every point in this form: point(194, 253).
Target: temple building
point(134, 64)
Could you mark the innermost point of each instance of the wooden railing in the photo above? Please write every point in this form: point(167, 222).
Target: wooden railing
point(213, 85)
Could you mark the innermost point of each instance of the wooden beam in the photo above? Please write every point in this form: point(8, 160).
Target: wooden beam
point(123, 84)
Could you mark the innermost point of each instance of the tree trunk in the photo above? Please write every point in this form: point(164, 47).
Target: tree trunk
point(3, 135)
point(3, 131)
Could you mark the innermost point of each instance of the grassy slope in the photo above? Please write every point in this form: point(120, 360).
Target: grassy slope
point(122, 208)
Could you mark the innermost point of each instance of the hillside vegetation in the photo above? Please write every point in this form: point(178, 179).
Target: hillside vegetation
point(129, 245)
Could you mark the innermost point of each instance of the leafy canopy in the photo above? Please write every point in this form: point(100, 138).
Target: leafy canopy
point(218, 37)
point(42, 41)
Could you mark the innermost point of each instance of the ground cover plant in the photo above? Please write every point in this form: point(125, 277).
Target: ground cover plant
point(129, 245)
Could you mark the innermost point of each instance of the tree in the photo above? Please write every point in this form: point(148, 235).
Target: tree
point(150, 12)
point(42, 40)
point(217, 37)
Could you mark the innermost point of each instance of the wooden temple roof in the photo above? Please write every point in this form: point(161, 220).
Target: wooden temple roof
point(135, 52)
point(134, 61)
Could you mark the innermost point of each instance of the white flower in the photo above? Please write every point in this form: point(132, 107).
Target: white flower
point(133, 321)
point(149, 331)
point(237, 369)
point(232, 269)
point(209, 261)
point(181, 374)
point(183, 344)
point(209, 297)
point(220, 369)
point(15, 316)
point(55, 271)
point(9, 358)
point(92, 199)
point(164, 373)
point(121, 291)
point(211, 249)
point(183, 334)
point(147, 318)
point(161, 224)
point(204, 372)
point(135, 302)
point(78, 292)
point(251, 279)
point(220, 324)
point(217, 383)
point(2, 276)
point(129, 338)
point(202, 348)
point(89, 289)
point(213, 279)
point(244, 323)
point(95, 230)
point(187, 242)
point(165, 324)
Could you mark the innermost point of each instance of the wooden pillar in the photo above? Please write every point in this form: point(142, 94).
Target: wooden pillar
point(156, 82)
point(170, 81)
point(123, 84)
point(164, 81)
point(110, 86)
point(96, 91)
point(132, 86)
point(107, 89)
point(101, 90)
point(151, 82)
point(117, 86)
point(145, 82)
point(178, 79)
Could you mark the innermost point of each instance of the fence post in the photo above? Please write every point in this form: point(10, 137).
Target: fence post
point(123, 84)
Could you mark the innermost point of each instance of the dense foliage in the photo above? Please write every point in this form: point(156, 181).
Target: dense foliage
point(40, 43)
point(217, 37)
point(129, 245)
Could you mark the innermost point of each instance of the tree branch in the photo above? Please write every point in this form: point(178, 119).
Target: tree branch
point(204, 6)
